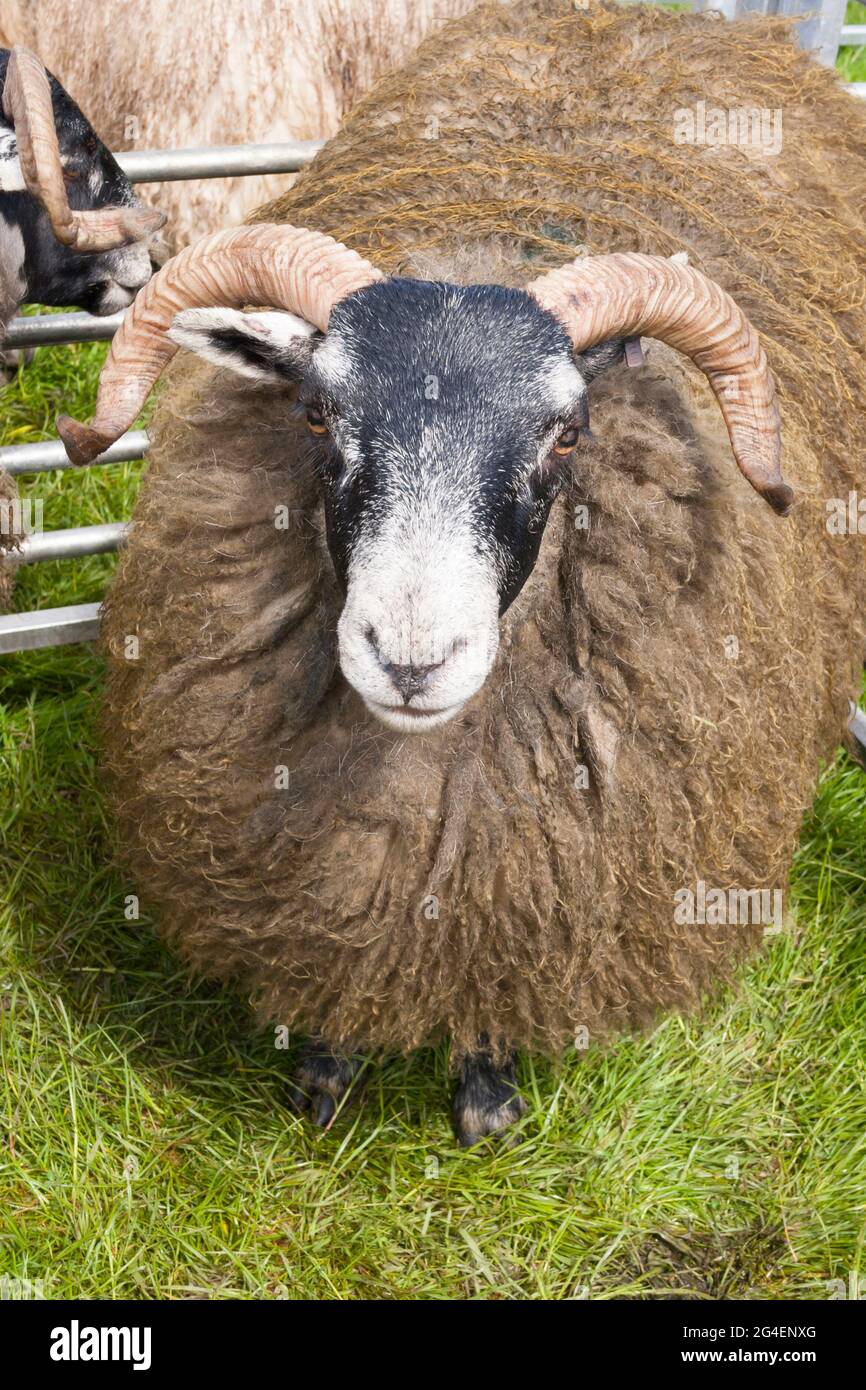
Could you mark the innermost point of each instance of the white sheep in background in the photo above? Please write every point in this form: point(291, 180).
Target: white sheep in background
point(219, 72)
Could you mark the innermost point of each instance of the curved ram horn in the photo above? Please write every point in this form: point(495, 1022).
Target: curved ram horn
point(628, 294)
point(282, 267)
point(27, 104)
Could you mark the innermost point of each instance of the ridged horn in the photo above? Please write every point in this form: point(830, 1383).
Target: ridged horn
point(27, 104)
point(277, 266)
point(628, 294)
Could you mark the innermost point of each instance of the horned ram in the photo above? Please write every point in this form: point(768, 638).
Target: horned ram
point(452, 655)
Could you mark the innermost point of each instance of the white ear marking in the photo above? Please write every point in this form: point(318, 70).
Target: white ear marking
point(278, 328)
point(199, 330)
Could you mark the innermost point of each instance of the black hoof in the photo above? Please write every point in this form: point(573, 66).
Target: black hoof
point(321, 1082)
point(486, 1101)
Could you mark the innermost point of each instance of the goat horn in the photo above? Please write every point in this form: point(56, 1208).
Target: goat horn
point(627, 294)
point(27, 104)
point(283, 267)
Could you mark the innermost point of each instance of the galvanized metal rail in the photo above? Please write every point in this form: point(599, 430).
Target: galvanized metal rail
point(50, 627)
point(45, 457)
point(70, 544)
point(216, 161)
point(54, 330)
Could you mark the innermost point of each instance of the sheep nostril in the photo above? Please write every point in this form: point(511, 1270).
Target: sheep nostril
point(411, 680)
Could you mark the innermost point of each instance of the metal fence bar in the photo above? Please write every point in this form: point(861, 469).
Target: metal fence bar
point(818, 32)
point(44, 457)
point(820, 28)
point(69, 544)
point(853, 34)
point(51, 627)
point(44, 330)
point(217, 161)
point(163, 166)
point(729, 8)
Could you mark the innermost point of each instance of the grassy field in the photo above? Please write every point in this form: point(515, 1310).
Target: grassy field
point(145, 1148)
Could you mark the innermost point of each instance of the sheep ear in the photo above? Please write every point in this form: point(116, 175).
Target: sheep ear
point(600, 358)
point(274, 347)
point(11, 177)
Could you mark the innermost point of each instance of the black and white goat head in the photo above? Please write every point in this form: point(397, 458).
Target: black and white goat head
point(71, 230)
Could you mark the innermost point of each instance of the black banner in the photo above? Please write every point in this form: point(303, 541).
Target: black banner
point(139, 1339)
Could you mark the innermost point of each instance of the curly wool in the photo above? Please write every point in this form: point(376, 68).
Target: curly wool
point(672, 676)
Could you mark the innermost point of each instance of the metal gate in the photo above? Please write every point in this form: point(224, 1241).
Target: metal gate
point(79, 622)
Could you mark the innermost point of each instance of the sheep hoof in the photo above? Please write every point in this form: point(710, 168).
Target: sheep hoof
point(486, 1101)
point(321, 1082)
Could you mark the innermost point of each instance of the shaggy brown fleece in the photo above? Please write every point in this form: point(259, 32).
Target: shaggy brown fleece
point(690, 650)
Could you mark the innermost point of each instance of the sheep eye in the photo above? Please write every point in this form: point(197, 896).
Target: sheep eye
point(566, 441)
point(316, 421)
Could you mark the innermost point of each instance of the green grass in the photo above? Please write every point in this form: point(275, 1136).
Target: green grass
point(145, 1149)
point(852, 61)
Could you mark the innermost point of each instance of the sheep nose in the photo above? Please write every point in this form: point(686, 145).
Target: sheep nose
point(410, 680)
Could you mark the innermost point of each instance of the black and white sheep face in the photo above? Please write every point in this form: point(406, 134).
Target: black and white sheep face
point(444, 420)
point(101, 283)
point(49, 273)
